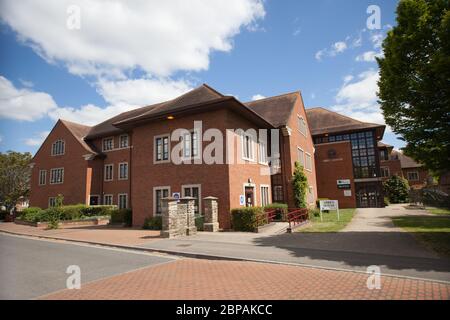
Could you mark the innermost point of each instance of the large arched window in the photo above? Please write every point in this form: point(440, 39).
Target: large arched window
point(58, 148)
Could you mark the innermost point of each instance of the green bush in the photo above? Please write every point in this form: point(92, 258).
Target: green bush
point(153, 223)
point(435, 198)
point(199, 220)
point(52, 216)
point(396, 189)
point(98, 210)
point(72, 212)
point(300, 185)
point(31, 214)
point(314, 212)
point(124, 216)
point(245, 219)
point(386, 201)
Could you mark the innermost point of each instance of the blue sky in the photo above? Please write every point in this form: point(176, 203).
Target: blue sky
point(121, 59)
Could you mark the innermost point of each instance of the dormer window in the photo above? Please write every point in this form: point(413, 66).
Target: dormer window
point(58, 148)
point(108, 144)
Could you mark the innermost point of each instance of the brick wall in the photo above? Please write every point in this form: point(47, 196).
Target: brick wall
point(330, 169)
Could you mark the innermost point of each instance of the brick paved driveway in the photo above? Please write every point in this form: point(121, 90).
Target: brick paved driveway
point(209, 279)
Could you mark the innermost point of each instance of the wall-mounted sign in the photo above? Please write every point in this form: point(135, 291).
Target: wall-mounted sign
point(176, 195)
point(242, 200)
point(343, 184)
point(347, 193)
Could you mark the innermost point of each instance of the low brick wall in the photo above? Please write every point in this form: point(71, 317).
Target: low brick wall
point(66, 224)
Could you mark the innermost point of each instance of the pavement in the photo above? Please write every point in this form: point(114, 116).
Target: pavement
point(35, 268)
point(370, 239)
point(31, 268)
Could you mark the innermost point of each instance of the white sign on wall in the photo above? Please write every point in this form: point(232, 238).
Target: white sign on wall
point(242, 200)
point(347, 193)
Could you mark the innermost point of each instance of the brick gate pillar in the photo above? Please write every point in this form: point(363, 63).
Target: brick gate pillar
point(170, 218)
point(211, 214)
point(189, 202)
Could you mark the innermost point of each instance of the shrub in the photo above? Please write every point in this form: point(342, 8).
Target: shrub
point(199, 221)
point(98, 210)
point(124, 216)
point(153, 223)
point(245, 219)
point(72, 212)
point(386, 201)
point(300, 185)
point(52, 216)
point(435, 198)
point(396, 189)
point(31, 214)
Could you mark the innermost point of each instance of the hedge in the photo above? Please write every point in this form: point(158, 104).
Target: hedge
point(281, 210)
point(153, 223)
point(124, 216)
point(70, 212)
point(245, 219)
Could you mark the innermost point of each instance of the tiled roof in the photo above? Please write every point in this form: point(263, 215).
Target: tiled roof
point(276, 110)
point(405, 161)
point(80, 131)
point(202, 94)
point(323, 121)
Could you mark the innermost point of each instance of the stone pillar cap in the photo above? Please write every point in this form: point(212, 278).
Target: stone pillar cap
point(187, 198)
point(169, 199)
point(210, 198)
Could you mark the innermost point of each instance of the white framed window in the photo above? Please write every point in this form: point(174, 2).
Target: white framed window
point(123, 171)
point(195, 191)
point(122, 200)
point(247, 147)
point(413, 176)
point(123, 141)
point(42, 177)
point(263, 153)
point(108, 144)
point(51, 202)
point(108, 199)
point(56, 176)
point(301, 156)
point(302, 125)
point(161, 149)
point(308, 161)
point(109, 172)
point(384, 171)
point(158, 194)
point(58, 147)
point(264, 195)
point(191, 145)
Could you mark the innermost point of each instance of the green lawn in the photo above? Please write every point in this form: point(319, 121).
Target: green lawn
point(330, 222)
point(432, 231)
point(434, 210)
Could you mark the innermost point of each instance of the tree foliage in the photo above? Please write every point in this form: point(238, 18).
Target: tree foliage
point(15, 174)
point(414, 85)
point(300, 185)
point(396, 189)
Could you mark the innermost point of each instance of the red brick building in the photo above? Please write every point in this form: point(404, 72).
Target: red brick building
point(347, 158)
point(393, 162)
point(129, 159)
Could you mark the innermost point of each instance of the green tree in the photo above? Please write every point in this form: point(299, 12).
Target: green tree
point(15, 173)
point(396, 189)
point(300, 185)
point(414, 85)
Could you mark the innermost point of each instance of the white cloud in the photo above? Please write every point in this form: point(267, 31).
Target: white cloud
point(141, 92)
point(377, 40)
point(26, 83)
point(37, 140)
point(357, 97)
point(116, 37)
point(368, 56)
point(335, 49)
point(257, 97)
point(297, 31)
point(23, 104)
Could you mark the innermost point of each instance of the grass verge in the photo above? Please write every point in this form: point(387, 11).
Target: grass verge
point(438, 211)
point(431, 231)
point(330, 222)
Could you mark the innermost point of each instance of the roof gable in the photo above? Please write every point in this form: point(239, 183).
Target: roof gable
point(277, 110)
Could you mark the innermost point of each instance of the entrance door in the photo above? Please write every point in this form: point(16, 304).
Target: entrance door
point(94, 200)
point(249, 196)
point(367, 196)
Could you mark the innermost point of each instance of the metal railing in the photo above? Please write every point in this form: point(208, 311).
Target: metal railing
point(296, 216)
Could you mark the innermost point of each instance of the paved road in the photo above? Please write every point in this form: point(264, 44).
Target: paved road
point(370, 239)
point(31, 268)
